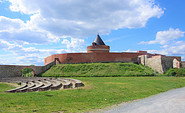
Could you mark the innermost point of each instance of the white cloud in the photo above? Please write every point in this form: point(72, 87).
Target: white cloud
point(165, 37)
point(10, 25)
point(178, 50)
point(82, 18)
point(170, 41)
point(17, 31)
point(29, 55)
point(128, 50)
point(51, 20)
point(74, 44)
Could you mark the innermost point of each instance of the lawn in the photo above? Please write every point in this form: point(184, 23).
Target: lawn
point(98, 92)
point(4, 87)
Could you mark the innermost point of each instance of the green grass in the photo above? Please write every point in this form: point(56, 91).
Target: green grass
point(4, 87)
point(98, 70)
point(98, 92)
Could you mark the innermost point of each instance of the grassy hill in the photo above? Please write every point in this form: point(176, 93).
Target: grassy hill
point(98, 70)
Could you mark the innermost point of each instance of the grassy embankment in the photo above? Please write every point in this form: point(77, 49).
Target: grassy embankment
point(98, 70)
point(98, 92)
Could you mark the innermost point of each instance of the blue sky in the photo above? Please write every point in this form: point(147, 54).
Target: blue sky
point(31, 30)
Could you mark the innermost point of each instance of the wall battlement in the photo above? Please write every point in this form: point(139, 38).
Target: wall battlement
point(93, 57)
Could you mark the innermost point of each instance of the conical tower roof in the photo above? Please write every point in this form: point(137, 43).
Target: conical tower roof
point(98, 40)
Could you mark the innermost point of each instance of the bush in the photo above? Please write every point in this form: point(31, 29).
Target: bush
point(171, 72)
point(175, 72)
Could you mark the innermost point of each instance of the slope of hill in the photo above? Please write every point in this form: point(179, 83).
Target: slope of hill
point(98, 70)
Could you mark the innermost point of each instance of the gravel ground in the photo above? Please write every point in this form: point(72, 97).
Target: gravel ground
point(172, 101)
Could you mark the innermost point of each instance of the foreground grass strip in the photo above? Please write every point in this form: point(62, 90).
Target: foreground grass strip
point(4, 87)
point(98, 93)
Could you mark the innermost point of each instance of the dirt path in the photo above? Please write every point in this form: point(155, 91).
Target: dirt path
point(172, 101)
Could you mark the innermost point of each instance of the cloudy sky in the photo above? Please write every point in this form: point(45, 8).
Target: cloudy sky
point(31, 30)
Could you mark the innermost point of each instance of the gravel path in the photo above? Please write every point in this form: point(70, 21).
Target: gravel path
point(172, 101)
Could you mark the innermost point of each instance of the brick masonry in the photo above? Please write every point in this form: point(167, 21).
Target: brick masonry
point(93, 57)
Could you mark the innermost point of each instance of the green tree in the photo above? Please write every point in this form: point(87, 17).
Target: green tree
point(27, 72)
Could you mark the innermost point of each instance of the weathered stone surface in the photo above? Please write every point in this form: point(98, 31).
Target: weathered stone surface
point(15, 70)
point(159, 63)
point(183, 64)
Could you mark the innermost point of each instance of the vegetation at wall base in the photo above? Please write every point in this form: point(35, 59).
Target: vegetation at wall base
point(175, 72)
point(98, 70)
point(98, 92)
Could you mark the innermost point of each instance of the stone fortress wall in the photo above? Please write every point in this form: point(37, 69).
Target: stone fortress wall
point(15, 70)
point(160, 63)
point(183, 64)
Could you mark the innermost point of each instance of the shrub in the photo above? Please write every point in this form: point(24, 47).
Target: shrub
point(175, 72)
point(171, 72)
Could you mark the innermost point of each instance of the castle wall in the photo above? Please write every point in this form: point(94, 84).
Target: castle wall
point(176, 63)
point(93, 57)
point(183, 64)
point(154, 63)
point(159, 63)
point(102, 57)
point(60, 57)
point(167, 63)
point(175, 57)
point(9, 71)
point(15, 70)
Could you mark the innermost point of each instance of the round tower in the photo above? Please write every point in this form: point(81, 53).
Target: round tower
point(98, 46)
